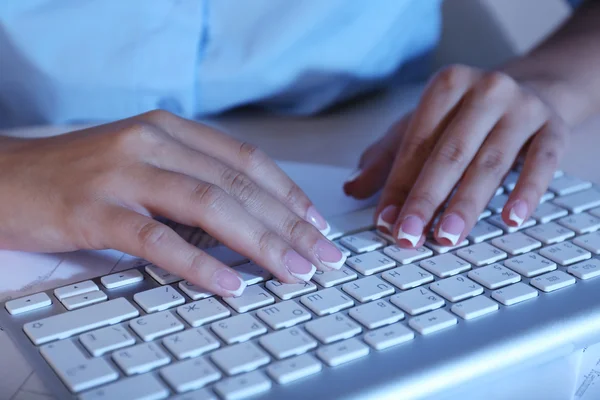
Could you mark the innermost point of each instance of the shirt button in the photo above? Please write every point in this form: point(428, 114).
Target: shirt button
point(170, 104)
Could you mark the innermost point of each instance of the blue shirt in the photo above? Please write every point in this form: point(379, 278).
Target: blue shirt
point(93, 60)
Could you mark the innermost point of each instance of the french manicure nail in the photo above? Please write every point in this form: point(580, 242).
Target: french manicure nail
point(329, 254)
point(387, 217)
point(451, 228)
point(354, 176)
point(299, 266)
point(230, 282)
point(518, 212)
point(411, 229)
point(315, 218)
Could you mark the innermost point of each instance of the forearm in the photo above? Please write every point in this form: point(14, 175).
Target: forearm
point(565, 68)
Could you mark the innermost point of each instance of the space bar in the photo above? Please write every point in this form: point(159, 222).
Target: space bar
point(74, 322)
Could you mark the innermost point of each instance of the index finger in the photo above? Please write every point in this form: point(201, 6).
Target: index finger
point(243, 157)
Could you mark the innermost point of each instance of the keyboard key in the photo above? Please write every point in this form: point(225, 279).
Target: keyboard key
point(161, 276)
point(74, 369)
point(291, 370)
point(252, 273)
point(565, 253)
point(480, 254)
point(389, 336)
point(327, 301)
point(120, 279)
point(191, 343)
point(198, 394)
point(581, 223)
point(530, 265)
point(345, 251)
point(499, 222)
point(203, 311)
point(333, 328)
point(475, 307)
point(510, 181)
point(243, 386)
point(71, 323)
point(494, 276)
point(432, 322)
point(514, 294)
point(371, 263)
point(590, 242)
point(553, 281)
point(238, 329)
point(75, 289)
point(497, 203)
point(140, 358)
point(550, 233)
point(343, 352)
point(288, 342)
point(407, 276)
point(547, 197)
point(376, 314)
point(486, 213)
point(363, 242)
point(440, 249)
point(102, 341)
point(368, 289)
point(407, 256)
point(192, 291)
point(226, 255)
point(568, 184)
point(28, 303)
point(456, 288)
point(580, 201)
point(417, 301)
point(138, 387)
point(585, 269)
point(516, 243)
point(240, 358)
point(334, 233)
point(158, 299)
point(150, 327)
point(252, 298)
point(283, 314)
point(547, 212)
point(445, 265)
point(483, 231)
point(190, 374)
point(85, 299)
point(335, 277)
point(286, 291)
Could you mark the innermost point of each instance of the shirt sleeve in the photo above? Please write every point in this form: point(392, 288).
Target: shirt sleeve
point(81, 61)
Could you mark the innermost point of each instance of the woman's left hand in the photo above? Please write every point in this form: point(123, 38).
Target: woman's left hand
point(466, 133)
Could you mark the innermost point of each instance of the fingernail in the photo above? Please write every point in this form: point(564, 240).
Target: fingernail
point(411, 229)
point(299, 266)
point(354, 176)
point(313, 216)
point(518, 212)
point(451, 228)
point(230, 282)
point(329, 255)
point(387, 217)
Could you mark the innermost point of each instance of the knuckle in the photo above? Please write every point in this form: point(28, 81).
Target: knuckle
point(398, 191)
point(452, 76)
point(139, 134)
point(424, 200)
point(265, 241)
point(158, 116)
point(207, 195)
point(418, 145)
point(295, 229)
point(151, 234)
point(240, 186)
point(495, 83)
point(295, 195)
point(451, 153)
point(251, 156)
point(195, 264)
point(531, 105)
point(493, 161)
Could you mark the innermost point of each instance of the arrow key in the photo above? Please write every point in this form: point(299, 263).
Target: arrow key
point(85, 299)
point(28, 303)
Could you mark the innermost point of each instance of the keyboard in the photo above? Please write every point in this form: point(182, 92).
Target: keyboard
point(411, 322)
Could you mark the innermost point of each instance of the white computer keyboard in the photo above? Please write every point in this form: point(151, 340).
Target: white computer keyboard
point(146, 334)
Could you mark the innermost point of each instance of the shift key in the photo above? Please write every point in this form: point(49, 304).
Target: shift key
point(71, 323)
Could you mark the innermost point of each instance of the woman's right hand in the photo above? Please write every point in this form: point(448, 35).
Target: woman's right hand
point(100, 188)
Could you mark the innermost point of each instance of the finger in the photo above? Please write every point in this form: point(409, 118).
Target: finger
point(376, 162)
point(245, 157)
point(437, 105)
point(193, 202)
point(479, 112)
point(483, 176)
point(304, 237)
point(542, 159)
point(141, 236)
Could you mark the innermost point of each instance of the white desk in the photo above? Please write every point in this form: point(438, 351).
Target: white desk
point(350, 130)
